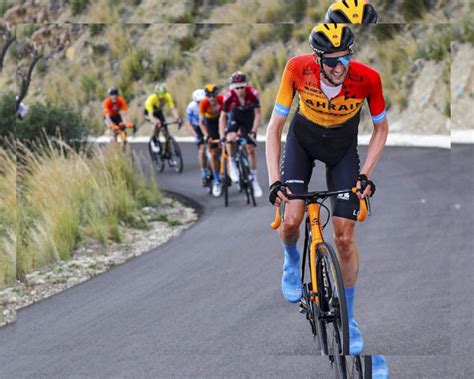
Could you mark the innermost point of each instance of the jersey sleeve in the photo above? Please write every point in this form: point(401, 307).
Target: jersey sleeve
point(287, 90)
point(375, 99)
point(169, 100)
point(202, 108)
point(189, 111)
point(227, 102)
point(255, 97)
point(123, 104)
point(150, 103)
point(107, 107)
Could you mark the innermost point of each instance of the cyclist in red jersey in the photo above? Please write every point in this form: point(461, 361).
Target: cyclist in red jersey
point(209, 111)
point(331, 88)
point(242, 114)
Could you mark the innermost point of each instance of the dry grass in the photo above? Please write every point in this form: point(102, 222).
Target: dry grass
point(67, 197)
point(7, 217)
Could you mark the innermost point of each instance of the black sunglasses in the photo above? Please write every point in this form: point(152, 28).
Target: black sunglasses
point(333, 62)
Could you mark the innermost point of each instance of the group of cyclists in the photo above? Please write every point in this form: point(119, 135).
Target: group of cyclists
point(331, 87)
point(215, 120)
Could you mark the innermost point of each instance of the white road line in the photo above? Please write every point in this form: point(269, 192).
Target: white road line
point(394, 139)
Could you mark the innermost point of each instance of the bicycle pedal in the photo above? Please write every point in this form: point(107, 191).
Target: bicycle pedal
point(302, 309)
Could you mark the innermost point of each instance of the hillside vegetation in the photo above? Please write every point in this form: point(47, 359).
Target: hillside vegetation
point(413, 59)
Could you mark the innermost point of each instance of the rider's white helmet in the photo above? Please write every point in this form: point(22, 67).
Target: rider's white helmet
point(198, 95)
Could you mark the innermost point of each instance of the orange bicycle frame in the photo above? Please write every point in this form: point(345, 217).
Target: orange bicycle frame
point(316, 232)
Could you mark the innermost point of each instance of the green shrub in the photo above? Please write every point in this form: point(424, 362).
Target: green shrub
point(384, 32)
point(41, 67)
point(296, 9)
point(78, 6)
point(53, 120)
point(132, 65)
point(3, 7)
point(160, 67)
point(89, 85)
point(413, 9)
point(187, 43)
point(7, 115)
point(95, 29)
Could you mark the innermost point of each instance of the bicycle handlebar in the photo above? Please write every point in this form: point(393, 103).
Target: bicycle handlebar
point(166, 123)
point(361, 216)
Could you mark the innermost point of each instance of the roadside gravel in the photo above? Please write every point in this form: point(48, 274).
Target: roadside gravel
point(167, 220)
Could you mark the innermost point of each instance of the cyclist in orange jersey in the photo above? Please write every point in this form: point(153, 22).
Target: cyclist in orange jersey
point(115, 107)
point(209, 110)
point(332, 88)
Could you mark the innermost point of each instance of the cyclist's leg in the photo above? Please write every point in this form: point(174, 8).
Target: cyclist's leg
point(296, 169)
point(201, 152)
point(116, 120)
point(231, 148)
point(213, 132)
point(343, 175)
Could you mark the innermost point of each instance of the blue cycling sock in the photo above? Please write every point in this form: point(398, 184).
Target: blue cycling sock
point(203, 172)
point(350, 292)
point(215, 174)
point(291, 251)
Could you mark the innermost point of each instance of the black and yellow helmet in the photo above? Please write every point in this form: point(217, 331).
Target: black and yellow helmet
point(331, 38)
point(211, 90)
point(351, 12)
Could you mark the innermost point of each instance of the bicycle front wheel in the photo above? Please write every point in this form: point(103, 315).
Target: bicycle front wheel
point(247, 179)
point(175, 157)
point(156, 158)
point(333, 303)
point(225, 183)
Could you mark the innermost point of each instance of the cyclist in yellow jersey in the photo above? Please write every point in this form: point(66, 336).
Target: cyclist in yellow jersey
point(154, 112)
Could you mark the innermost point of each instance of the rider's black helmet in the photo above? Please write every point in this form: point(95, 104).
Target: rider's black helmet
point(113, 91)
point(331, 38)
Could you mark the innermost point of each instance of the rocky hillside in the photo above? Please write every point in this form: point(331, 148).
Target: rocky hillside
point(89, 54)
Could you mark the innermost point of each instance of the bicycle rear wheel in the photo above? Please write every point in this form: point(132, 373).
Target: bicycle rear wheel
point(175, 159)
point(333, 304)
point(225, 183)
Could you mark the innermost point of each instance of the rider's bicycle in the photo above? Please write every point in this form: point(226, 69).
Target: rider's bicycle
point(245, 177)
point(323, 301)
point(169, 150)
point(120, 135)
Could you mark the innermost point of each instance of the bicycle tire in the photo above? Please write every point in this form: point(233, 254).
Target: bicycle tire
point(358, 366)
point(175, 153)
point(156, 159)
point(225, 183)
point(333, 299)
point(247, 178)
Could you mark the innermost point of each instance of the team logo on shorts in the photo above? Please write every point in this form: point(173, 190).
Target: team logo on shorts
point(343, 196)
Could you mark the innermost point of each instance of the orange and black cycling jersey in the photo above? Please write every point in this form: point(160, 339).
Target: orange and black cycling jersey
point(208, 111)
point(112, 109)
point(302, 75)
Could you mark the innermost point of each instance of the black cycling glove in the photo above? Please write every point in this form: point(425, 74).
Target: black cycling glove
point(364, 182)
point(274, 189)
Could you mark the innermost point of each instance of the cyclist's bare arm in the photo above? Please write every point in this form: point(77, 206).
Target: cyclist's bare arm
point(126, 117)
point(203, 128)
point(176, 114)
point(375, 150)
point(191, 128)
point(257, 119)
point(222, 123)
point(273, 149)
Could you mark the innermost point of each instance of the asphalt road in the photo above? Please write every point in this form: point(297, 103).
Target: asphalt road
point(208, 303)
